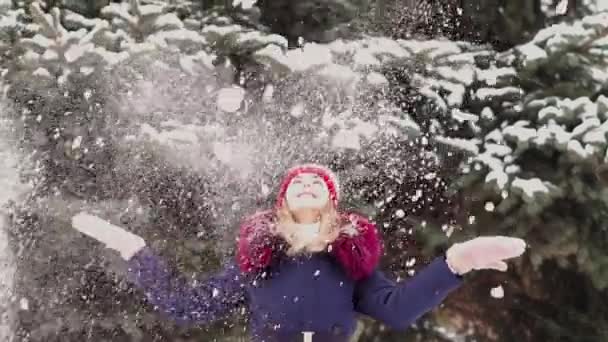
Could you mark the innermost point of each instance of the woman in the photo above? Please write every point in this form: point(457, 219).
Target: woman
point(303, 267)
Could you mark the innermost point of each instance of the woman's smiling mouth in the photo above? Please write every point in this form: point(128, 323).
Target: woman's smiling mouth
point(307, 194)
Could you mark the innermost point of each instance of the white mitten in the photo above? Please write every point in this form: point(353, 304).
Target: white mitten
point(487, 252)
point(114, 237)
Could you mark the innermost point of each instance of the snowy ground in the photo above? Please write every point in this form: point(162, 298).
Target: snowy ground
point(9, 189)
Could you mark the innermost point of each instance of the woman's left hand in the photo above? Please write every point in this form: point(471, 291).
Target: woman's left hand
point(486, 252)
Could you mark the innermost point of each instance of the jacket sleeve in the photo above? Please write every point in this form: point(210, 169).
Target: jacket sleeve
point(398, 305)
point(200, 302)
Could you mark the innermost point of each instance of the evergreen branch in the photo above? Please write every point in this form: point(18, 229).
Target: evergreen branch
point(43, 20)
point(585, 46)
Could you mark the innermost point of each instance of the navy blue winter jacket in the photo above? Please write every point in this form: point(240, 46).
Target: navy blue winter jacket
point(285, 296)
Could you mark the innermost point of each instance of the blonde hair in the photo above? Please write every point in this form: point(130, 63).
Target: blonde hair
point(286, 226)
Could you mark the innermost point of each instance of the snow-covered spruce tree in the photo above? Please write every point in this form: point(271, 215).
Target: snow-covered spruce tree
point(540, 174)
point(10, 27)
point(141, 26)
point(52, 84)
point(309, 20)
point(55, 53)
point(503, 25)
point(445, 87)
point(88, 9)
point(236, 47)
point(41, 86)
point(61, 290)
point(314, 102)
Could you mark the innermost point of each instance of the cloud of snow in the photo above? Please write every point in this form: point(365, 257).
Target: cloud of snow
point(197, 119)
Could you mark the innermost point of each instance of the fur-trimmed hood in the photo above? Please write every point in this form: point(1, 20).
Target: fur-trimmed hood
point(358, 249)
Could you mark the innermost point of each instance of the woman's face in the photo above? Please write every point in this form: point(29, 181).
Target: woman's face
point(307, 190)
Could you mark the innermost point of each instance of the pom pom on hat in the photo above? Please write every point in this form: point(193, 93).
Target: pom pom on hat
point(328, 176)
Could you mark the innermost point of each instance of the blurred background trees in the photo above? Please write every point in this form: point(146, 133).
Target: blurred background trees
point(444, 120)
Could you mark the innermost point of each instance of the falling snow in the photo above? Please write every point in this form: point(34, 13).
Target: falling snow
point(198, 136)
point(497, 292)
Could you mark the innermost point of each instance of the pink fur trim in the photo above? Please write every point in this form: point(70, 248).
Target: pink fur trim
point(359, 253)
point(255, 245)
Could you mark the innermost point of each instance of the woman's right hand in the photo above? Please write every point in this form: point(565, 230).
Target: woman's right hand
point(114, 237)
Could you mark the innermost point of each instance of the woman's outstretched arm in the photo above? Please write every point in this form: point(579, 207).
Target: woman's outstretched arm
point(184, 301)
point(195, 301)
point(398, 305)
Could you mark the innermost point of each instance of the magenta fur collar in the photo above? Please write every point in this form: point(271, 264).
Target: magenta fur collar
point(357, 250)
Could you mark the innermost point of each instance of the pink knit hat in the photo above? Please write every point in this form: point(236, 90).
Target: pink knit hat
point(331, 180)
